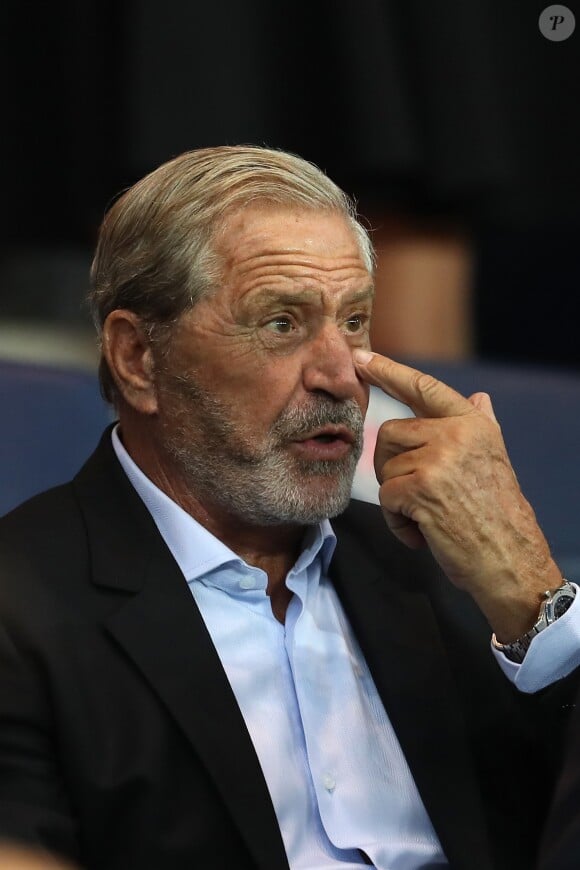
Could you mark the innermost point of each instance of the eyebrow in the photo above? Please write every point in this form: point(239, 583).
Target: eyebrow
point(362, 295)
point(274, 297)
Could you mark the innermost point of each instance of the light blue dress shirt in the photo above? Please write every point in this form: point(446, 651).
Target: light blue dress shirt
point(337, 776)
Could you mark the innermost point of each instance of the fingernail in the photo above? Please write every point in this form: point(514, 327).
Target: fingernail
point(362, 356)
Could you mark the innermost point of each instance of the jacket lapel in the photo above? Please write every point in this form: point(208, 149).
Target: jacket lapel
point(160, 627)
point(399, 636)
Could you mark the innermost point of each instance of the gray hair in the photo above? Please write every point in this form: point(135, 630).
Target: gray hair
point(154, 254)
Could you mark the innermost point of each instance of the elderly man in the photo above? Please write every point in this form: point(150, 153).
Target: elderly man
point(207, 657)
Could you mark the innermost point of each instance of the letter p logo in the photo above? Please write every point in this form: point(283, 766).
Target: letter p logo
point(557, 23)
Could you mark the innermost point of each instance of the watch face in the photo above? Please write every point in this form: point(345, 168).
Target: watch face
point(562, 604)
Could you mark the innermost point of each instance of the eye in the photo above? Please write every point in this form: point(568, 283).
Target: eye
point(280, 325)
point(356, 323)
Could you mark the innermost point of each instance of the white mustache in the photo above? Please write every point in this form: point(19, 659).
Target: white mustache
point(295, 422)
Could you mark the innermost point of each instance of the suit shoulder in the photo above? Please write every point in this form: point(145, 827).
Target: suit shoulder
point(47, 529)
point(49, 508)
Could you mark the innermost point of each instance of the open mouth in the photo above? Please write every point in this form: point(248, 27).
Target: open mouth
point(328, 435)
point(328, 442)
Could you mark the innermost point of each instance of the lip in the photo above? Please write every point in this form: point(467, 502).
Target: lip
point(340, 445)
point(340, 433)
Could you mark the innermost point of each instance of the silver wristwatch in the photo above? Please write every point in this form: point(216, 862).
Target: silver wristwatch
point(554, 605)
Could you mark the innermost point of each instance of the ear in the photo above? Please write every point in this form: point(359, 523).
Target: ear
point(127, 350)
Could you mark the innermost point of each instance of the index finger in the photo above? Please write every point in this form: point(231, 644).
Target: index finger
point(424, 394)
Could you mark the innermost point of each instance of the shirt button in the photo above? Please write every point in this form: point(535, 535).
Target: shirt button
point(329, 782)
point(247, 582)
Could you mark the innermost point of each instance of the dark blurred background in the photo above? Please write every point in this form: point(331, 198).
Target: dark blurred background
point(454, 124)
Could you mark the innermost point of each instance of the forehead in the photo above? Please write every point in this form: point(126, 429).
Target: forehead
point(262, 245)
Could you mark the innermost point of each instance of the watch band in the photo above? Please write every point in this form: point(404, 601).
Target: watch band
point(554, 605)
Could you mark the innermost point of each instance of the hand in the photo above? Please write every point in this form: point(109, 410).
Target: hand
point(446, 480)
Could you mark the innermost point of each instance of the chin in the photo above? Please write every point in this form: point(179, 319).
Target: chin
point(306, 505)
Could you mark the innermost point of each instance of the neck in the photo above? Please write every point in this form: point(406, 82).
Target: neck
point(274, 549)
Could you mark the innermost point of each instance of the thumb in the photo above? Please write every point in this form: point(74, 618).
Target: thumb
point(482, 402)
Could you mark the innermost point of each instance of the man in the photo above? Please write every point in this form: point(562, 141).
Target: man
point(198, 668)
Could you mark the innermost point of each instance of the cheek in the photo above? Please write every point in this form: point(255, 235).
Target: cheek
point(269, 391)
point(257, 392)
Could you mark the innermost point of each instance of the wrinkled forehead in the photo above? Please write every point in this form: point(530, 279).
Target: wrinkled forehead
point(270, 236)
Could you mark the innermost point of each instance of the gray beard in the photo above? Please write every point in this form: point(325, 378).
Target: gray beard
point(263, 485)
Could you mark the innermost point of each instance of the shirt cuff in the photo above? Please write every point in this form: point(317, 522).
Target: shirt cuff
point(552, 654)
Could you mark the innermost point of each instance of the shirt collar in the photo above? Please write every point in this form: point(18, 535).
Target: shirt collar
point(194, 548)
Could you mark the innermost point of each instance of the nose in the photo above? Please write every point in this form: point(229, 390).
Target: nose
point(329, 367)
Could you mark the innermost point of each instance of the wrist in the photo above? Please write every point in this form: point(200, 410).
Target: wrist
point(511, 599)
point(554, 604)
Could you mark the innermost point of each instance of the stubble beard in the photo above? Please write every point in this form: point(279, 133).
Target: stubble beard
point(261, 484)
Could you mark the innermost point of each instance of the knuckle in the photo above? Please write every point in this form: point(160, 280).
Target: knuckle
point(381, 472)
point(424, 384)
point(387, 434)
point(427, 480)
point(423, 477)
point(386, 497)
point(449, 453)
point(419, 515)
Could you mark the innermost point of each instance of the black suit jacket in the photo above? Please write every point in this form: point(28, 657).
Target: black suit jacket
point(561, 842)
point(121, 743)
